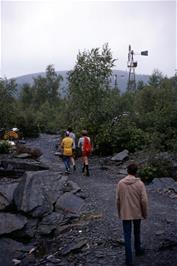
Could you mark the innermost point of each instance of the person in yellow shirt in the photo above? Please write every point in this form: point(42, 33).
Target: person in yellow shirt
point(67, 146)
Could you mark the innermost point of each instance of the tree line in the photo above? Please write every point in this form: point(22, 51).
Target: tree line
point(145, 118)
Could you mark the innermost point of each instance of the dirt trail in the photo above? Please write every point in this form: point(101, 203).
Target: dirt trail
point(101, 227)
point(159, 231)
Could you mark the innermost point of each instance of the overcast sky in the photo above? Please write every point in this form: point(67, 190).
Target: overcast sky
point(35, 34)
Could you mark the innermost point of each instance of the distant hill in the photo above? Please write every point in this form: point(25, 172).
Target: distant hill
point(122, 78)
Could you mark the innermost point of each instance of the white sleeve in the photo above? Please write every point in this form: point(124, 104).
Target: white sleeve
point(79, 143)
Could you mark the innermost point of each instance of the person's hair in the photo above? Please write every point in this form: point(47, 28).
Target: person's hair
point(66, 133)
point(84, 132)
point(70, 129)
point(132, 169)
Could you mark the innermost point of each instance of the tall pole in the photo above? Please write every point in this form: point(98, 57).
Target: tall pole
point(131, 65)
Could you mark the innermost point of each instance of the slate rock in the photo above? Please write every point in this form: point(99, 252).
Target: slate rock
point(49, 223)
point(6, 193)
point(11, 222)
point(11, 249)
point(30, 228)
point(69, 203)
point(38, 191)
point(74, 247)
point(73, 187)
point(23, 155)
point(11, 173)
point(30, 165)
point(163, 182)
point(123, 155)
point(159, 232)
point(168, 244)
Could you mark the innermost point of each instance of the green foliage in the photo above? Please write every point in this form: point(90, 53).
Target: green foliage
point(155, 113)
point(147, 173)
point(46, 88)
point(47, 118)
point(4, 147)
point(88, 88)
point(156, 78)
point(26, 96)
point(7, 102)
point(40, 106)
point(145, 118)
point(140, 85)
point(163, 166)
point(27, 122)
point(155, 167)
point(127, 135)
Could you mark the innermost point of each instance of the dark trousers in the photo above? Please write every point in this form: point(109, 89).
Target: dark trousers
point(66, 160)
point(127, 230)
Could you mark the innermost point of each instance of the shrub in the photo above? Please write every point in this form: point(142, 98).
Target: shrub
point(4, 147)
point(163, 166)
point(155, 168)
point(147, 173)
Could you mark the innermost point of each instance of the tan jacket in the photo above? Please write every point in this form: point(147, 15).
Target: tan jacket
point(131, 198)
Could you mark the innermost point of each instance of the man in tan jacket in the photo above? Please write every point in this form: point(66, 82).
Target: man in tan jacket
point(132, 204)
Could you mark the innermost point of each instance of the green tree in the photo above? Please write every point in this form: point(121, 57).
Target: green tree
point(156, 78)
point(53, 81)
point(140, 85)
point(40, 105)
point(26, 96)
point(8, 89)
point(27, 122)
point(156, 112)
point(47, 88)
point(48, 118)
point(89, 87)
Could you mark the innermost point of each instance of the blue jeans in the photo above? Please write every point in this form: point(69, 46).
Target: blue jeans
point(127, 230)
point(66, 160)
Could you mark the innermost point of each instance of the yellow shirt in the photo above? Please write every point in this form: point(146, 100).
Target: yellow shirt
point(67, 144)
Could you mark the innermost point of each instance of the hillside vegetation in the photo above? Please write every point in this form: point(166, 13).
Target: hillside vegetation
point(122, 77)
point(145, 118)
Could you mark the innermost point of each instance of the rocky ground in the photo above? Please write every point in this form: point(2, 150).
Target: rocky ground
point(95, 238)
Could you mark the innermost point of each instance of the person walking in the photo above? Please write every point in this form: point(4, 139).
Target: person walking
point(73, 136)
point(66, 145)
point(84, 144)
point(132, 206)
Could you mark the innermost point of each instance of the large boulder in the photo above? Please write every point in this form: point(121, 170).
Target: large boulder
point(121, 156)
point(11, 222)
point(11, 250)
point(72, 187)
point(30, 228)
point(30, 165)
point(6, 193)
point(37, 192)
point(50, 222)
point(164, 183)
point(69, 202)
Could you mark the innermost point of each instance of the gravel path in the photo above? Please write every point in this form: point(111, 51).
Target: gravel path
point(100, 226)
